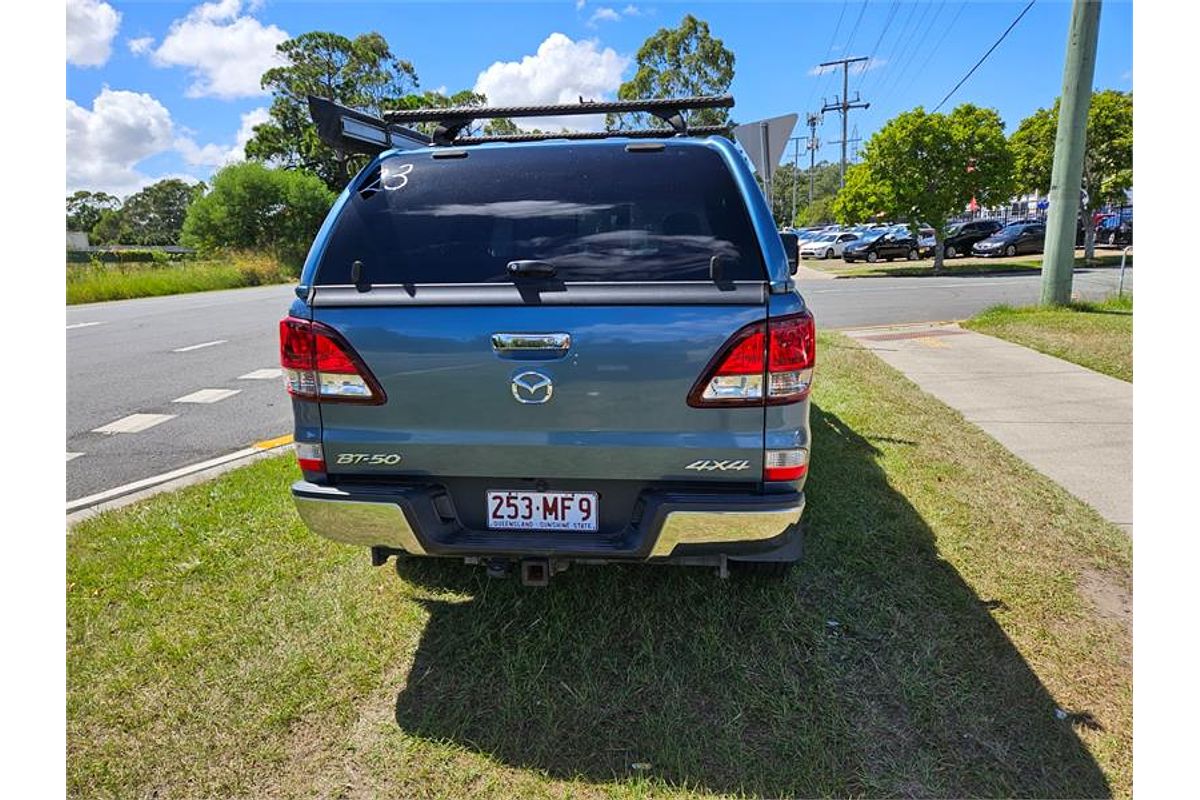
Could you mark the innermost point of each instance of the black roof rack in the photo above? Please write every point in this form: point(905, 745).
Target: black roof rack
point(635, 133)
point(357, 132)
point(451, 121)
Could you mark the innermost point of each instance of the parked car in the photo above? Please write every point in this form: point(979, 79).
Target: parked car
point(828, 246)
point(528, 355)
point(962, 236)
point(926, 241)
point(1115, 229)
point(1015, 238)
point(882, 245)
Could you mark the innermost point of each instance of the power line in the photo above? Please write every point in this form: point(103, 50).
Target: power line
point(887, 24)
point(907, 54)
point(828, 50)
point(846, 104)
point(933, 50)
point(985, 55)
point(828, 82)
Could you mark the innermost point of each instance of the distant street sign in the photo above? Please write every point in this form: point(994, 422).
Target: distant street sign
point(765, 140)
point(1043, 204)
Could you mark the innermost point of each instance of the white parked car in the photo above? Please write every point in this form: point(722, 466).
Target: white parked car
point(827, 246)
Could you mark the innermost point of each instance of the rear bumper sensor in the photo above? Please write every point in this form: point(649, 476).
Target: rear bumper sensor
point(413, 520)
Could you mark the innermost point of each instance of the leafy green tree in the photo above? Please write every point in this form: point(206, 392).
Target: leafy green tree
point(361, 73)
point(826, 181)
point(921, 168)
point(1107, 160)
point(109, 228)
point(84, 209)
point(678, 62)
point(864, 198)
point(252, 206)
point(154, 216)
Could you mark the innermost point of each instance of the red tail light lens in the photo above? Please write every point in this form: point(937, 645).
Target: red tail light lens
point(777, 354)
point(319, 364)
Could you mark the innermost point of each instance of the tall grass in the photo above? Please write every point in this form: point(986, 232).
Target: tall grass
point(95, 281)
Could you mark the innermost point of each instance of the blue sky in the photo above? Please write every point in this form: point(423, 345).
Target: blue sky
point(165, 89)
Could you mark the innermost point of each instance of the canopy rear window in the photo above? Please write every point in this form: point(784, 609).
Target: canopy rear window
point(596, 212)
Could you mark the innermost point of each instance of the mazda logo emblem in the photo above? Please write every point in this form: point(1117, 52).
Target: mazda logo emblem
point(532, 388)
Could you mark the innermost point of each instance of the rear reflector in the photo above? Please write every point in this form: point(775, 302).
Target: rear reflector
point(775, 356)
point(785, 465)
point(319, 363)
point(310, 456)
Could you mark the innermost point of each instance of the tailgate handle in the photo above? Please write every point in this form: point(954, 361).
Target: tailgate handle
point(509, 342)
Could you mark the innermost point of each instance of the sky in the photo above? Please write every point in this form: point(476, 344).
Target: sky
point(158, 90)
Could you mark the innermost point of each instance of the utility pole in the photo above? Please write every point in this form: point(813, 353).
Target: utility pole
point(813, 143)
point(845, 104)
point(1069, 145)
point(795, 174)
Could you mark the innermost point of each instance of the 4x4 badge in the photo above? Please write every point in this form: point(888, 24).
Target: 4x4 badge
point(708, 465)
point(532, 388)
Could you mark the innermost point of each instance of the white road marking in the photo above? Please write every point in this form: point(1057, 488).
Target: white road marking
point(83, 325)
point(72, 456)
point(261, 375)
point(206, 396)
point(134, 423)
point(192, 347)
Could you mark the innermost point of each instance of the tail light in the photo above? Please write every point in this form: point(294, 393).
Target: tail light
point(319, 364)
point(311, 456)
point(785, 465)
point(774, 356)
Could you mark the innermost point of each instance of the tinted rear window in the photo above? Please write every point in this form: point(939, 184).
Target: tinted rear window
point(598, 213)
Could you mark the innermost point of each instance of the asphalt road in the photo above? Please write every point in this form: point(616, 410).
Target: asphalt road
point(142, 357)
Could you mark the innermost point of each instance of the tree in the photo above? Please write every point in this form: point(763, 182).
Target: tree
point(361, 73)
point(154, 216)
point(1107, 160)
point(110, 228)
point(678, 62)
point(254, 207)
point(922, 167)
point(863, 198)
point(84, 209)
point(826, 180)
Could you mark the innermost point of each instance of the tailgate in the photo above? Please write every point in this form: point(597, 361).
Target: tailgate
point(596, 392)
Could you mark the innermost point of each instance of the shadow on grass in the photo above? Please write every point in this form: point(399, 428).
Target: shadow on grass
point(872, 670)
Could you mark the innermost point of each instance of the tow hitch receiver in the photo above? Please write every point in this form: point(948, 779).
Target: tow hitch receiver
point(535, 572)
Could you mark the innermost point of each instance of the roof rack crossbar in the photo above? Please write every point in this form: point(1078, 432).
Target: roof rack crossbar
point(637, 133)
point(664, 108)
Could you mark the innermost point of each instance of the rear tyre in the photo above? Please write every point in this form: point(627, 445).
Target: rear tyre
point(951, 252)
point(829, 254)
point(912, 255)
point(1010, 251)
point(871, 257)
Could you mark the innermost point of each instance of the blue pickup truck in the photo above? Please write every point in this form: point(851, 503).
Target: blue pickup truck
point(529, 351)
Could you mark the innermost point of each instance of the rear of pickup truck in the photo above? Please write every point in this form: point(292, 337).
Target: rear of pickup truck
point(553, 353)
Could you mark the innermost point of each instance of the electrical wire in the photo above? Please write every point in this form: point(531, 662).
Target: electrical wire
point(971, 71)
point(828, 50)
point(908, 55)
point(933, 50)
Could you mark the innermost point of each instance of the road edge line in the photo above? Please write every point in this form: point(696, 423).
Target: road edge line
point(86, 507)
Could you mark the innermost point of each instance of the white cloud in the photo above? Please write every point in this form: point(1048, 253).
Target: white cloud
point(603, 14)
point(857, 68)
point(226, 51)
point(215, 155)
point(91, 27)
point(561, 71)
point(141, 45)
point(105, 143)
point(631, 11)
point(579, 4)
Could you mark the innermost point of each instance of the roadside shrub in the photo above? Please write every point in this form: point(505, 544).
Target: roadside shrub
point(125, 256)
point(252, 207)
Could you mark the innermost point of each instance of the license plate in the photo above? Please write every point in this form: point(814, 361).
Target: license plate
point(545, 511)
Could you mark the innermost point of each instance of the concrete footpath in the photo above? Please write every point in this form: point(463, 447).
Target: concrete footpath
point(1071, 424)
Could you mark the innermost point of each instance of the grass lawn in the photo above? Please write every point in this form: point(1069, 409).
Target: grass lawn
point(1098, 336)
point(969, 265)
point(88, 283)
point(950, 601)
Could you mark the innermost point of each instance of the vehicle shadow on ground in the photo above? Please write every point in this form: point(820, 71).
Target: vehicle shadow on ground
point(874, 669)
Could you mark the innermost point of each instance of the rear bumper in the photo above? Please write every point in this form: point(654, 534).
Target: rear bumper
point(666, 524)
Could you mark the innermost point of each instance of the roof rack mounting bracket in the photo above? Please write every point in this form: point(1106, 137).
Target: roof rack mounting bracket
point(672, 118)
